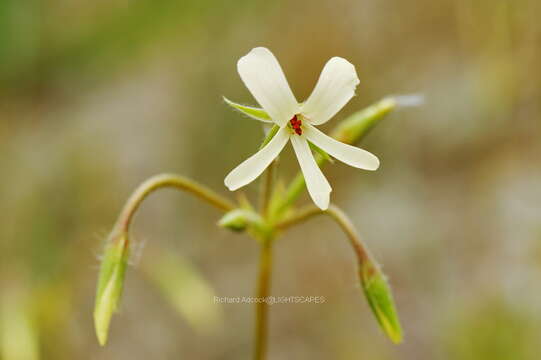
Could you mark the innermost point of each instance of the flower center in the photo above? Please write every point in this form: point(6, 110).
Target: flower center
point(296, 124)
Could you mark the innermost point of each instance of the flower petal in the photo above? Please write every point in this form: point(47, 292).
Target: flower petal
point(318, 186)
point(263, 76)
point(335, 87)
point(348, 154)
point(253, 112)
point(251, 168)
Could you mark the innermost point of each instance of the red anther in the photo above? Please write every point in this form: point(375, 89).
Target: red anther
point(296, 124)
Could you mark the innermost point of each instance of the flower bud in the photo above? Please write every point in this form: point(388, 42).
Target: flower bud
point(379, 296)
point(110, 283)
point(236, 220)
point(358, 124)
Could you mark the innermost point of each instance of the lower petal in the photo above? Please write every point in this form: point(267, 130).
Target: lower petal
point(251, 168)
point(348, 154)
point(318, 186)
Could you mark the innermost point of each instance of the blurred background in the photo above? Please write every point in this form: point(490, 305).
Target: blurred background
point(97, 96)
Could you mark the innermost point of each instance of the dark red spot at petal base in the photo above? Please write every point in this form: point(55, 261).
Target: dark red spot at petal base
point(296, 124)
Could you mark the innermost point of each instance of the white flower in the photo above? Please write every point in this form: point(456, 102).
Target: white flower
point(263, 76)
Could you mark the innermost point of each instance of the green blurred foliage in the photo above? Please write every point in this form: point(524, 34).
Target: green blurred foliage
point(97, 96)
point(493, 330)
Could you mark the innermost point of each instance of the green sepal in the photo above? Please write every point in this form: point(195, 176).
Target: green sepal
point(380, 298)
point(321, 152)
point(253, 112)
point(110, 284)
point(269, 136)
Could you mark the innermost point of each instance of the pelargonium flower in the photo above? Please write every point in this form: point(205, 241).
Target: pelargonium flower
point(263, 76)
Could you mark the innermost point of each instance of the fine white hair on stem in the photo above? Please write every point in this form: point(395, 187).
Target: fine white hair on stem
point(101, 236)
point(408, 100)
point(136, 251)
point(136, 248)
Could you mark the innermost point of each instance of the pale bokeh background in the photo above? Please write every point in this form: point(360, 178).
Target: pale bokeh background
point(97, 96)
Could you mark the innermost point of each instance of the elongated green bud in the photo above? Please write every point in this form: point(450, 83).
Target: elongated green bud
point(357, 125)
point(379, 296)
point(110, 283)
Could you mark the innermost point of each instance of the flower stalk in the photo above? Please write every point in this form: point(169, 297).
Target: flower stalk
point(262, 306)
point(116, 253)
point(264, 225)
point(169, 181)
point(374, 283)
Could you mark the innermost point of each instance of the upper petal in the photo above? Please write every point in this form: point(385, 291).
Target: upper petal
point(252, 167)
point(263, 76)
point(348, 154)
point(318, 186)
point(335, 87)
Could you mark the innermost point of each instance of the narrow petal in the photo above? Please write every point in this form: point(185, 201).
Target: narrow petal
point(263, 76)
point(335, 87)
point(318, 186)
point(251, 168)
point(253, 112)
point(348, 154)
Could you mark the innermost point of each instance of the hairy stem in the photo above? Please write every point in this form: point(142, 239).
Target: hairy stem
point(262, 307)
point(164, 181)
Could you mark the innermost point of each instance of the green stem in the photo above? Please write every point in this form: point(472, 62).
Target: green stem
point(163, 181)
point(375, 286)
point(363, 255)
point(262, 307)
point(266, 189)
point(300, 216)
point(361, 251)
